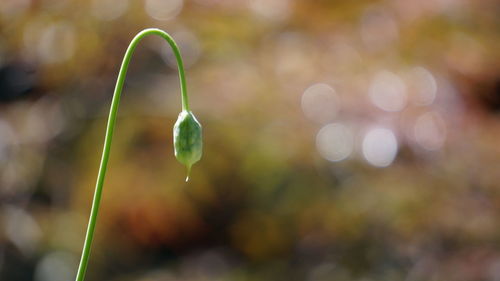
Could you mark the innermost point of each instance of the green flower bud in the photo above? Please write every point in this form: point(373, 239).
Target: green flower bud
point(187, 140)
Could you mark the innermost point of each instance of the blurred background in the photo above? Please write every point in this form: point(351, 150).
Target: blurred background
point(344, 140)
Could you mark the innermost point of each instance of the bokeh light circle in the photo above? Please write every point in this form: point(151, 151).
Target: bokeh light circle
point(430, 131)
point(320, 103)
point(335, 142)
point(388, 91)
point(380, 147)
point(422, 86)
point(57, 43)
point(274, 10)
point(163, 10)
point(56, 266)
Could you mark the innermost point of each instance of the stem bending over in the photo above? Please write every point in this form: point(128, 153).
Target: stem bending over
point(187, 135)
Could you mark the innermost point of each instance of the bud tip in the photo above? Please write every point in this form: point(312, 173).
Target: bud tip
point(188, 172)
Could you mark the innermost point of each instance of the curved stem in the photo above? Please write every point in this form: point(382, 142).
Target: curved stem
point(110, 128)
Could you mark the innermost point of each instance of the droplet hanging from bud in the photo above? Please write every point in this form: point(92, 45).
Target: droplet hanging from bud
point(188, 144)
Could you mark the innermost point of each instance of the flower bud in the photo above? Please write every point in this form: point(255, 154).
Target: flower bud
point(187, 140)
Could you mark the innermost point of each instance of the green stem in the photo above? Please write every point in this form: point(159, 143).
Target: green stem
point(111, 126)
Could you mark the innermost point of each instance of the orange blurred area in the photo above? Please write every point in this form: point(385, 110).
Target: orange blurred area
point(343, 140)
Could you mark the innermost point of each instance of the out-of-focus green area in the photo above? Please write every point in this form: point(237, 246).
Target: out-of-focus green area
point(344, 140)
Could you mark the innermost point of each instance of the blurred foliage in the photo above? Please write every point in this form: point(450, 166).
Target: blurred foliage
point(344, 140)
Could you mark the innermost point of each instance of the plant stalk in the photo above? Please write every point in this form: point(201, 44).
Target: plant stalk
point(111, 126)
